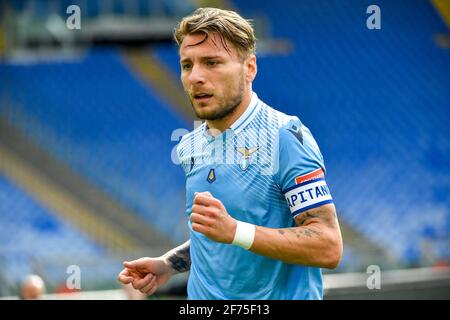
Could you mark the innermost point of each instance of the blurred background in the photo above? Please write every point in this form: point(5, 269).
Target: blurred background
point(88, 115)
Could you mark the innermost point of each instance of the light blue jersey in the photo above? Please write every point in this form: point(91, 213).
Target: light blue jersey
point(266, 168)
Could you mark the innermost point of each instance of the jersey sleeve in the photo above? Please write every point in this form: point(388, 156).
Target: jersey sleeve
point(301, 169)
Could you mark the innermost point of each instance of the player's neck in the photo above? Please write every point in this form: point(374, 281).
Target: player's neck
point(224, 123)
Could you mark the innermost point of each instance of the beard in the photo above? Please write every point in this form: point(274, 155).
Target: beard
point(225, 107)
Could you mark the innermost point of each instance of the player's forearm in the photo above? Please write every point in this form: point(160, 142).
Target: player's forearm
point(179, 258)
point(312, 245)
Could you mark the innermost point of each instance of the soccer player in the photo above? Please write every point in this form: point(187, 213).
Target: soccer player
point(261, 217)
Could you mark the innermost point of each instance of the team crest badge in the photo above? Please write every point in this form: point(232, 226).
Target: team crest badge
point(246, 156)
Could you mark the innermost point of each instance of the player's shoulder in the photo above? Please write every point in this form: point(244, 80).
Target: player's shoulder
point(289, 129)
point(280, 121)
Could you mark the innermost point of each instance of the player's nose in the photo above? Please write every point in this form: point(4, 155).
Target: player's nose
point(196, 76)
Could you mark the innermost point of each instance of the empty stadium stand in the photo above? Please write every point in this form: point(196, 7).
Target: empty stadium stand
point(96, 116)
point(34, 240)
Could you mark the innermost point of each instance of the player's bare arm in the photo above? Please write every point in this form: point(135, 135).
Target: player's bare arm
point(179, 259)
point(314, 241)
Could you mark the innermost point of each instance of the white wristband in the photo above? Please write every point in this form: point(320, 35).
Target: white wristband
point(245, 234)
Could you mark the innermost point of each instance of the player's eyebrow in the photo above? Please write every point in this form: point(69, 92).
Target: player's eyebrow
point(212, 57)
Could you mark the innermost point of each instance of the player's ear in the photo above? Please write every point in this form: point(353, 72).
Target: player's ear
point(252, 69)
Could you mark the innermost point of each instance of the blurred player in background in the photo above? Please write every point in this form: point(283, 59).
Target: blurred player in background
point(33, 287)
point(261, 217)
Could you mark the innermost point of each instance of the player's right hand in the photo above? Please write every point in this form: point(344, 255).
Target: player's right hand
point(146, 274)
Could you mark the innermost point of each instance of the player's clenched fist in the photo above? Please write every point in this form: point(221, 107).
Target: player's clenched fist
point(210, 218)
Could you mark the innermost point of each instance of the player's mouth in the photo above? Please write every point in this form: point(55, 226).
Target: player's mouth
point(202, 97)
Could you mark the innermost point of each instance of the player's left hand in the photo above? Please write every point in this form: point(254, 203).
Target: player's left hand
point(210, 218)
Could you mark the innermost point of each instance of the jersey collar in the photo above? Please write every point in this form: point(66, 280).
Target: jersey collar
point(241, 122)
point(247, 116)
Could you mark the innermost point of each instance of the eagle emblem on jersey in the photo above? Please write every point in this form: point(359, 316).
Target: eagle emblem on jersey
point(246, 156)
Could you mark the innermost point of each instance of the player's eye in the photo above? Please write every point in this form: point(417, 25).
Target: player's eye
point(186, 66)
point(211, 63)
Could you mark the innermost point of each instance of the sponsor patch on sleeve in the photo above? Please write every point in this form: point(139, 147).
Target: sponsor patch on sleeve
point(310, 176)
point(307, 195)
